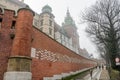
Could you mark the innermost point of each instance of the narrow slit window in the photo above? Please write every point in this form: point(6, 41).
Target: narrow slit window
point(41, 23)
point(0, 23)
point(50, 31)
point(13, 24)
point(50, 22)
point(0, 11)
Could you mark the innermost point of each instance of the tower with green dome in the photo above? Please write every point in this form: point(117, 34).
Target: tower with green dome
point(68, 19)
point(71, 29)
point(47, 21)
point(47, 8)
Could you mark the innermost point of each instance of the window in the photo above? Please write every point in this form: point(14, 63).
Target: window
point(13, 24)
point(41, 28)
point(12, 33)
point(50, 22)
point(0, 23)
point(74, 33)
point(35, 22)
point(50, 16)
point(50, 31)
point(0, 11)
point(41, 16)
point(41, 22)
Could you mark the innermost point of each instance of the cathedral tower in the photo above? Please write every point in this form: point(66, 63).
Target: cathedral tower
point(47, 21)
point(71, 29)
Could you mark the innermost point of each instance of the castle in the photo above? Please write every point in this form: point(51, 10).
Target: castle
point(33, 46)
point(66, 34)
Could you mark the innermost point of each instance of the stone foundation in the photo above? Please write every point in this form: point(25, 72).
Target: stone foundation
point(17, 76)
point(19, 63)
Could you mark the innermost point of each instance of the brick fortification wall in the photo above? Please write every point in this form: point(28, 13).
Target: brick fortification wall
point(5, 40)
point(53, 58)
point(50, 58)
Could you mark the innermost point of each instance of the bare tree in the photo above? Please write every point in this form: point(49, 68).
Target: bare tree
point(103, 21)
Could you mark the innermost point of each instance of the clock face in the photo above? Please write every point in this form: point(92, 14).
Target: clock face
point(117, 59)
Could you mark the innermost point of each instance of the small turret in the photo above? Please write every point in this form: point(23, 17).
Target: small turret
point(47, 21)
point(19, 63)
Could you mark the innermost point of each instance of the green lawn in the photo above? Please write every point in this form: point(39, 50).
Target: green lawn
point(115, 75)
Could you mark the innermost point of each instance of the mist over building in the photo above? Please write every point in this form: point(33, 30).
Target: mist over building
point(45, 21)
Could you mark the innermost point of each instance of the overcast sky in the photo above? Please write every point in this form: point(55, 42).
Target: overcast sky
point(59, 8)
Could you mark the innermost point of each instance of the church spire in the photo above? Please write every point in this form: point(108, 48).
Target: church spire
point(68, 13)
point(68, 19)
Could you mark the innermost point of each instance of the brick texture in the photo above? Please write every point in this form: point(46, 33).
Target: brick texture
point(5, 40)
point(40, 68)
point(44, 68)
point(23, 35)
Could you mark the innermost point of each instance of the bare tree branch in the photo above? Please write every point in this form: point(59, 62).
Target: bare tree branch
point(103, 21)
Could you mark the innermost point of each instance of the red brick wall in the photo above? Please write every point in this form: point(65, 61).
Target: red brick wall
point(45, 68)
point(40, 68)
point(5, 40)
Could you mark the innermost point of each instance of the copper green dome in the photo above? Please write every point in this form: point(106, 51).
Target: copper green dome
point(68, 19)
point(47, 8)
